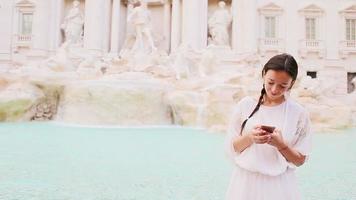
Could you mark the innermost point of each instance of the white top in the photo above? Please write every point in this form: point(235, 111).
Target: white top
point(289, 117)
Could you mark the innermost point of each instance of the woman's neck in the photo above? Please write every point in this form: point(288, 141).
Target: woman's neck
point(272, 102)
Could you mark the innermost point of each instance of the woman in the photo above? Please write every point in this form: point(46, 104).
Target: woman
point(265, 160)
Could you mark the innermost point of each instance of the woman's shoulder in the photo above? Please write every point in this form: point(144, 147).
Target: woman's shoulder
point(247, 100)
point(243, 106)
point(297, 107)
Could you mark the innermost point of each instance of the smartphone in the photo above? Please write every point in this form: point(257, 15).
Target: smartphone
point(269, 129)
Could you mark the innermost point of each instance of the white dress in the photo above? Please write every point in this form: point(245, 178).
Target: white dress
point(260, 171)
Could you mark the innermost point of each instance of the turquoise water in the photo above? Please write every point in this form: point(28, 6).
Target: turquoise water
point(49, 161)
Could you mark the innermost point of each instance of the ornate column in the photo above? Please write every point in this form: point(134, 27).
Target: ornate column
point(176, 24)
point(203, 23)
point(94, 25)
point(251, 32)
point(115, 27)
point(237, 25)
point(57, 7)
point(107, 25)
point(194, 27)
point(167, 24)
point(40, 30)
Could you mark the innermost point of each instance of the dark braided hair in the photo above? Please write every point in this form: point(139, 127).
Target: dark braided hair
point(281, 62)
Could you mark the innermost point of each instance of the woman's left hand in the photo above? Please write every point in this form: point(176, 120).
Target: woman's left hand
point(276, 139)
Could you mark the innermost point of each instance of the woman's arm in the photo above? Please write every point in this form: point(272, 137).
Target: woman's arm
point(241, 143)
point(292, 155)
point(288, 152)
point(257, 135)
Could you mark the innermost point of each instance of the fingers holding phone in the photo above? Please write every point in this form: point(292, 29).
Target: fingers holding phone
point(259, 135)
point(268, 129)
point(276, 138)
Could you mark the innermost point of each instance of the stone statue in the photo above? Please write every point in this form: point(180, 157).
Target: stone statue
point(207, 62)
point(188, 62)
point(218, 26)
point(73, 24)
point(353, 82)
point(309, 87)
point(59, 62)
point(140, 18)
point(133, 2)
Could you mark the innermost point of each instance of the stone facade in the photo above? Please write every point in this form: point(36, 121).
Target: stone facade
point(320, 34)
point(87, 61)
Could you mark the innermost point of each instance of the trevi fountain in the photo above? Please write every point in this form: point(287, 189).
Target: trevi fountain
point(126, 99)
point(145, 85)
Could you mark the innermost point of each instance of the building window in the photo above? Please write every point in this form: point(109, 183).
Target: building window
point(270, 27)
point(351, 81)
point(350, 29)
point(310, 29)
point(26, 23)
point(312, 74)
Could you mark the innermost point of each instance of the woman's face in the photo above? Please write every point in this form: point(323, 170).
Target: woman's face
point(277, 83)
point(76, 3)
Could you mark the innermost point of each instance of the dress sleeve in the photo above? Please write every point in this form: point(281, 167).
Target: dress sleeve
point(233, 132)
point(303, 142)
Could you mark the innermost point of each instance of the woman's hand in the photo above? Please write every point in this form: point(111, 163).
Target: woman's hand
point(259, 136)
point(276, 139)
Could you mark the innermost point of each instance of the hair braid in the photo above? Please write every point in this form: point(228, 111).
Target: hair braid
point(260, 101)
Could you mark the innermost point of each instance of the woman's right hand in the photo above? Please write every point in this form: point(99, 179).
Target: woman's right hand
point(259, 136)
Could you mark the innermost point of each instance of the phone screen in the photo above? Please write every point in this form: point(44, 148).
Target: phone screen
point(269, 129)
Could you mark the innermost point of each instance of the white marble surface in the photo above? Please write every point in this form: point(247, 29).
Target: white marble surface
point(181, 80)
